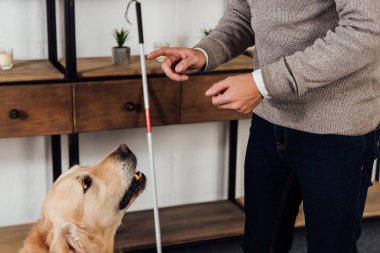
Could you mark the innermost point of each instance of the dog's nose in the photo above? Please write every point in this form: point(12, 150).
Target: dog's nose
point(122, 152)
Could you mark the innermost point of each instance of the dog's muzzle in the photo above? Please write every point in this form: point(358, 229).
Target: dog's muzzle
point(137, 186)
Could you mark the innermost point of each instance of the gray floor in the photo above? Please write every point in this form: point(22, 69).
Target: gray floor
point(368, 243)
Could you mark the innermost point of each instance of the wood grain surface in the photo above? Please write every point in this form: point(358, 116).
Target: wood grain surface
point(30, 70)
point(44, 110)
point(182, 224)
point(102, 66)
point(196, 107)
point(101, 105)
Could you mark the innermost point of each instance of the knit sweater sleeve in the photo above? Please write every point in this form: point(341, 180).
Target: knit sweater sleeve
point(353, 45)
point(232, 35)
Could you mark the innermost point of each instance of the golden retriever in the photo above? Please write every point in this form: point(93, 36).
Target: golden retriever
point(85, 205)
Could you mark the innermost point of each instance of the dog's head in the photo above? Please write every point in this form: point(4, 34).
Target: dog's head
point(86, 204)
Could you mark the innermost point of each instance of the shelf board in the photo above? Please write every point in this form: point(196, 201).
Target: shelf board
point(372, 207)
point(30, 70)
point(11, 238)
point(102, 66)
point(179, 225)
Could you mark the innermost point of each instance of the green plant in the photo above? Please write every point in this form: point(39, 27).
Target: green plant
point(206, 31)
point(120, 36)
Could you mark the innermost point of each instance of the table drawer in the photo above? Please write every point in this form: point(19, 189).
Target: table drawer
point(196, 107)
point(119, 104)
point(28, 110)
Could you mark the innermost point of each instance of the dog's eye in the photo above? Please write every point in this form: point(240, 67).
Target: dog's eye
point(86, 183)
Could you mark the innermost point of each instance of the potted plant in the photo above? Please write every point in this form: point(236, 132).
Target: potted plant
point(121, 55)
point(206, 31)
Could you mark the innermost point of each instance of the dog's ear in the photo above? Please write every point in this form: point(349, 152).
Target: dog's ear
point(79, 238)
point(73, 238)
point(59, 243)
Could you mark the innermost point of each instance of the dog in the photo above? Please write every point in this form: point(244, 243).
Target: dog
point(85, 206)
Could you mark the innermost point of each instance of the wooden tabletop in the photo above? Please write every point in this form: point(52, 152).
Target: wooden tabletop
point(102, 66)
point(42, 70)
point(30, 70)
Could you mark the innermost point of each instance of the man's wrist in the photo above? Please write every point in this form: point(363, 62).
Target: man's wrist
point(258, 78)
point(206, 57)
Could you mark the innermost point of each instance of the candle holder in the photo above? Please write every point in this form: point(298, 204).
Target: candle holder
point(158, 45)
point(6, 58)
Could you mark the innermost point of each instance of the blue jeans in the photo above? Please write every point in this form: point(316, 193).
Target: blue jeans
point(329, 173)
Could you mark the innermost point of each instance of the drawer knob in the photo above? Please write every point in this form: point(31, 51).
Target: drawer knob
point(130, 106)
point(14, 114)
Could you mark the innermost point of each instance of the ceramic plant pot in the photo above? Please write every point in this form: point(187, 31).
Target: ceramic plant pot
point(121, 55)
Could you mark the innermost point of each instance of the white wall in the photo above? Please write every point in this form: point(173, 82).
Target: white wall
point(176, 21)
point(190, 159)
point(22, 26)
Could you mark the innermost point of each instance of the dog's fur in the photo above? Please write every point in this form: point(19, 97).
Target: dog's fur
point(77, 219)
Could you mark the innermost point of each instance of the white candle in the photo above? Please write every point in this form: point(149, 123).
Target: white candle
point(158, 45)
point(6, 58)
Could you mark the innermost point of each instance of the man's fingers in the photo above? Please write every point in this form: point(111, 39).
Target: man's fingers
point(221, 100)
point(179, 62)
point(155, 54)
point(185, 64)
point(217, 88)
point(231, 106)
point(167, 68)
point(164, 51)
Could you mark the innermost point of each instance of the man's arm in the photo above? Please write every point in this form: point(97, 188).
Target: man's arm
point(230, 38)
point(353, 45)
point(232, 35)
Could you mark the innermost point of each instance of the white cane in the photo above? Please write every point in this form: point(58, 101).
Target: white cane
point(148, 122)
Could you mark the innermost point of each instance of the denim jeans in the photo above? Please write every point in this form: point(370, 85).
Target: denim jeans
point(329, 173)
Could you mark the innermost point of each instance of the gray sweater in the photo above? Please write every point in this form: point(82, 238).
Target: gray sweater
point(320, 60)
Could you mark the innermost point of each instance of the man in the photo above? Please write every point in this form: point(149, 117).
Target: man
point(315, 95)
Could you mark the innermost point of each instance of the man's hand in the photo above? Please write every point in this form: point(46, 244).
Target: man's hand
point(238, 93)
point(179, 62)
